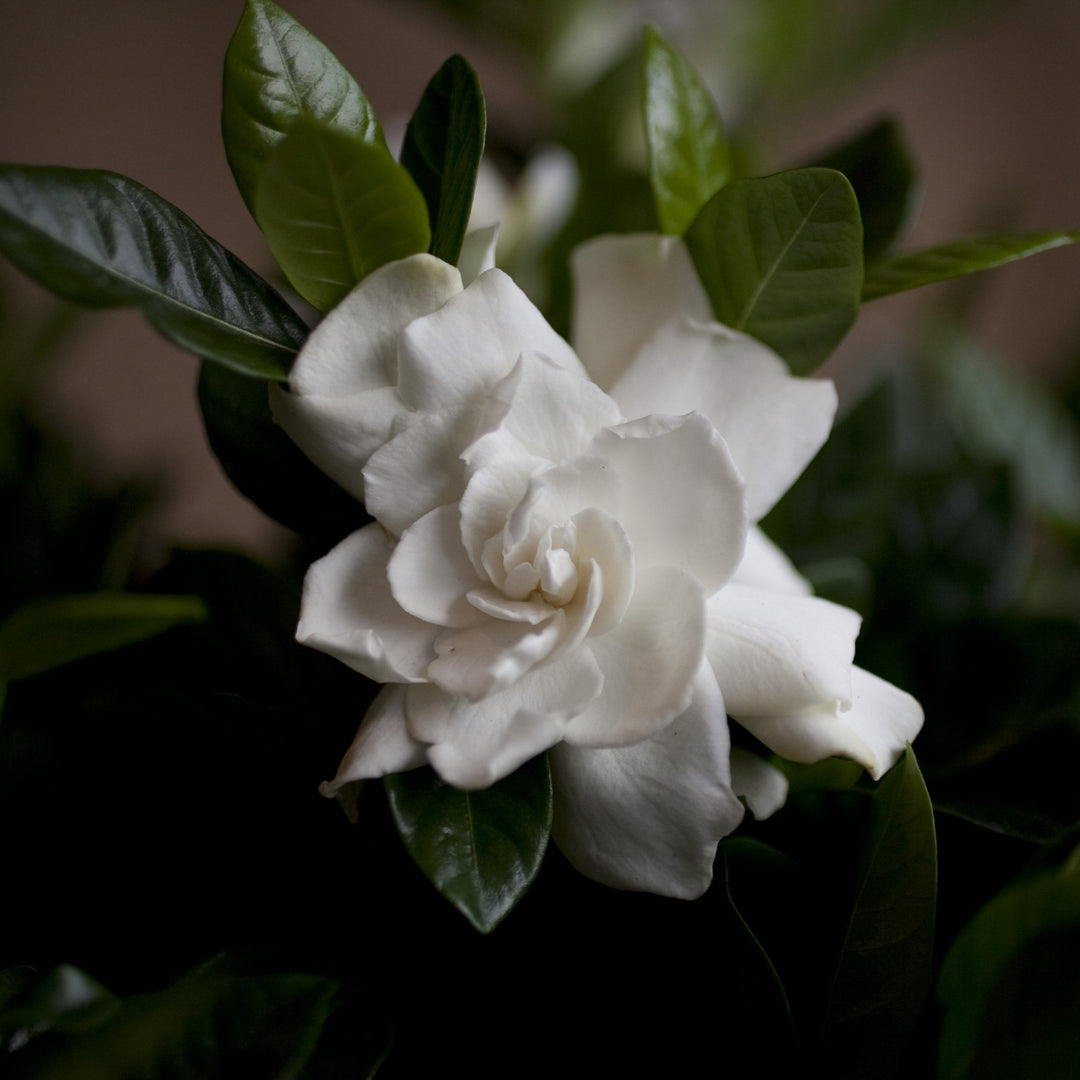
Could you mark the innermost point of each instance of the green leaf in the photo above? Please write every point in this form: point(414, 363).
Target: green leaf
point(47, 633)
point(1009, 985)
point(884, 971)
point(66, 999)
point(101, 239)
point(217, 1026)
point(333, 208)
point(931, 265)
point(264, 464)
point(882, 172)
point(443, 146)
point(276, 74)
point(781, 258)
point(480, 849)
point(689, 155)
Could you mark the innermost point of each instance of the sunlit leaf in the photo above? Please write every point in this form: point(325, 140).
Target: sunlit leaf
point(276, 74)
point(781, 258)
point(480, 849)
point(689, 155)
point(931, 265)
point(885, 968)
point(443, 146)
point(99, 238)
point(50, 632)
point(333, 208)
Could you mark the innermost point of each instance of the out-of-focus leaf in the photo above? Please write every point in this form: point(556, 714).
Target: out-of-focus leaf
point(1009, 985)
point(99, 238)
point(443, 146)
point(480, 849)
point(333, 208)
point(879, 164)
point(689, 155)
point(885, 969)
point(781, 258)
point(250, 1026)
point(931, 265)
point(47, 633)
point(66, 999)
point(264, 464)
point(276, 74)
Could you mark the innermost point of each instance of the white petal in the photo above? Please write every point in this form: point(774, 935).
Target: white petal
point(475, 744)
point(648, 817)
point(772, 422)
point(348, 611)
point(546, 411)
point(419, 469)
point(459, 352)
point(873, 732)
point(355, 347)
point(382, 746)
point(625, 287)
point(338, 434)
point(763, 786)
point(478, 252)
point(685, 503)
point(765, 566)
point(649, 661)
point(430, 573)
point(774, 653)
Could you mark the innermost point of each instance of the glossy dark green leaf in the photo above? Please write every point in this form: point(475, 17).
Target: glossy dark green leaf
point(480, 849)
point(781, 258)
point(333, 208)
point(879, 164)
point(276, 74)
point(443, 146)
point(1009, 985)
point(47, 633)
point(264, 464)
point(238, 1026)
point(931, 265)
point(689, 155)
point(885, 968)
point(101, 239)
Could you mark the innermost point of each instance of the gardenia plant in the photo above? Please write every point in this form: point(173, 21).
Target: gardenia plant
point(565, 554)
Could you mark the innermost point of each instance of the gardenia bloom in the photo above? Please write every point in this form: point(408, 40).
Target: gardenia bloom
point(564, 556)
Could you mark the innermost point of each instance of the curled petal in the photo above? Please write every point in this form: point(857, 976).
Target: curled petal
point(763, 786)
point(430, 574)
point(625, 288)
point(874, 731)
point(458, 353)
point(649, 661)
point(382, 746)
point(772, 422)
point(685, 501)
point(349, 612)
point(473, 744)
point(774, 653)
point(355, 347)
point(648, 817)
point(478, 252)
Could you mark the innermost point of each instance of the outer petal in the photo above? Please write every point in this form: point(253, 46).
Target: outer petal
point(625, 287)
point(649, 661)
point(765, 566)
point(476, 743)
point(774, 653)
point(684, 503)
point(459, 352)
point(648, 817)
point(873, 732)
point(478, 252)
point(382, 746)
point(348, 611)
point(355, 347)
point(772, 422)
point(763, 786)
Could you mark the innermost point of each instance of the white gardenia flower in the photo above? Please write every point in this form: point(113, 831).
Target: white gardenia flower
point(564, 556)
